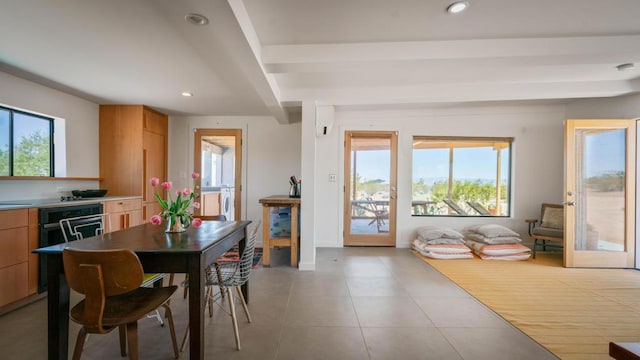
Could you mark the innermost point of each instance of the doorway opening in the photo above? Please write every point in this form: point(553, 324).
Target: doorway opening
point(218, 159)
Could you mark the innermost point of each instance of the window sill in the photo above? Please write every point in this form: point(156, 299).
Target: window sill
point(48, 178)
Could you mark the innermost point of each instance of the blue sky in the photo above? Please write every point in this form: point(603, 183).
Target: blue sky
point(470, 163)
point(605, 152)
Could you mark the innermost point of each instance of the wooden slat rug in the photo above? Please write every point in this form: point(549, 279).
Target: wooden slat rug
point(574, 313)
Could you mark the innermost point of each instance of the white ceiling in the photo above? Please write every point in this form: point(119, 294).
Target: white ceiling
point(265, 57)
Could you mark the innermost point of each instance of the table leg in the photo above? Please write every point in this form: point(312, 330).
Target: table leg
point(196, 307)
point(57, 309)
point(265, 236)
point(294, 236)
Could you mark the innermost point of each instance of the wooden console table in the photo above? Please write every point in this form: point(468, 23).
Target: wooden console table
point(293, 241)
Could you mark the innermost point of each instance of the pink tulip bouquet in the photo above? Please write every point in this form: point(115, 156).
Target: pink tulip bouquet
point(178, 210)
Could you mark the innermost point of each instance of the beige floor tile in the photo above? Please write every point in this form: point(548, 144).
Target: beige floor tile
point(459, 312)
point(321, 311)
point(322, 343)
point(389, 312)
point(408, 344)
point(505, 343)
point(375, 286)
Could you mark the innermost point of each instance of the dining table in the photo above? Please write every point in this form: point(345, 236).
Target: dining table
point(186, 252)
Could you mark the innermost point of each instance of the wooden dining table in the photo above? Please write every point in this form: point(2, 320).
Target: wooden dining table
point(188, 252)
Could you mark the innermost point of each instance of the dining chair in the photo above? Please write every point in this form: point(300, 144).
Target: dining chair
point(110, 282)
point(229, 276)
point(79, 227)
point(185, 282)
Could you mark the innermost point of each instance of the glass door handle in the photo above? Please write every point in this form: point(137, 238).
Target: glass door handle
point(569, 203)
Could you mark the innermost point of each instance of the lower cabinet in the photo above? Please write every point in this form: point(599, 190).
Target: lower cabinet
point(14, 255)
point(124, 213)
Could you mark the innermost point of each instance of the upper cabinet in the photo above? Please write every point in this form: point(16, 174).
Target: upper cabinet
point(133, 148)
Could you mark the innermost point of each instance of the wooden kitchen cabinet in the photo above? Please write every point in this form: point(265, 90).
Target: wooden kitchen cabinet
point(124, 213)
point(14, 255)
point(210, 205)
point(133, 148)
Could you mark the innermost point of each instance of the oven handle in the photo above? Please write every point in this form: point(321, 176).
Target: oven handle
point(50, 226)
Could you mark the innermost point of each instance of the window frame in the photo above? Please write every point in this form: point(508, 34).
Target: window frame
point(51, 127)
point(453, 139)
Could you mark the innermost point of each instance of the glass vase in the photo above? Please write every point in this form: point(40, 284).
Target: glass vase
point(175, 225)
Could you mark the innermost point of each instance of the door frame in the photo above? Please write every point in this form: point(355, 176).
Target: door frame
point(585, 258)
point(197, 162)
point(379, 239)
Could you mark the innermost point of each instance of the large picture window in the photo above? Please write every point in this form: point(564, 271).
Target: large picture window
point(461, 176)
point(26, 144)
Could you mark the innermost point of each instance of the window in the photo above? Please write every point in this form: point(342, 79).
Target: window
point(461, 176)
point(26, 144)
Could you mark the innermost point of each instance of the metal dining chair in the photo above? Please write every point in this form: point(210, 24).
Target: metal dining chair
point(185, 282)
point(229, 276)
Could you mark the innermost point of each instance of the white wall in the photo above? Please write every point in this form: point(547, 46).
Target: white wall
point(270, 155)
point(81, 128)
point(537, 167)
point(623, 107)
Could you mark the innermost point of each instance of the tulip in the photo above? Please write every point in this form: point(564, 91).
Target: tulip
point(178, 192)
point(186, 191)
point(156, 220)
point(155, 181)
point(166, 185)
point(195, 175)
point(196, 205)
point(196, 222)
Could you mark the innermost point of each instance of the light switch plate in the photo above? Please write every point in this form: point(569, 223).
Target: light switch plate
point(333, 177)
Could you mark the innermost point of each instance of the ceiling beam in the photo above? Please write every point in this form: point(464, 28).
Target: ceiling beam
point(263, 82)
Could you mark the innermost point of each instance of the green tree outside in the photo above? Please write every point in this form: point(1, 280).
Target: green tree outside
point(31, 156)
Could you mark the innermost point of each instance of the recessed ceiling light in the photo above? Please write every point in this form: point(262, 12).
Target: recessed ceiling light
point(457, 7)
point(626, 67)
point(187, 94)
point(196, 19)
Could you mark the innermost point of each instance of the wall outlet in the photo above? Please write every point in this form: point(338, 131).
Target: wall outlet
point(333, 177)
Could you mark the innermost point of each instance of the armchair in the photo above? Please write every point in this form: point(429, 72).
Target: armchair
point(551, 228)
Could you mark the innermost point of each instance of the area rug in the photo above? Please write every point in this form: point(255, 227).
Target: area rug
point(232, 256)
point(574, 313)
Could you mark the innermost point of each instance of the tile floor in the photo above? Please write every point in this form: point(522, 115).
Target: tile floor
point(360, 303)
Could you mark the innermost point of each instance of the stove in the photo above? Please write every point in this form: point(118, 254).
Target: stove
point(71, 198)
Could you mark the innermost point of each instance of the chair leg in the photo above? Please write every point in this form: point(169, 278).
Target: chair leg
point(77, 351)
point(533, 249)
point(234, 319)
point(122, 330)
point(219, 275)
point(244, 303)
point(156, 314)
point(186, 288)
point(184, 339)
point(172, 329)
point(132, 340)
point(209, 300)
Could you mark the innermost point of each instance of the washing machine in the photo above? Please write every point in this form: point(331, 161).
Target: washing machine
point(227, 200)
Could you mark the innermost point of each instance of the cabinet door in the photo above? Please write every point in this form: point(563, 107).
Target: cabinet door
point(149, 209)
point(154, 162)
point(134, 218)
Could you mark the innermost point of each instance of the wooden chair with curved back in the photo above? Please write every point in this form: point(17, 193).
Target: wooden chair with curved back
point(110, 281)
point(77, 228)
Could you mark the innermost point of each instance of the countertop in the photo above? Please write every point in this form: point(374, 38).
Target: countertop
point(39, 203)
